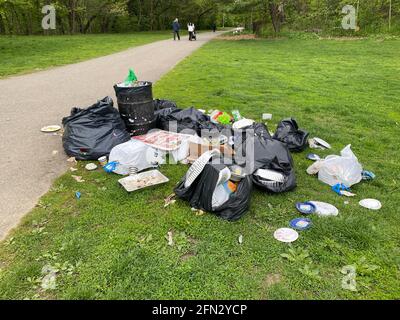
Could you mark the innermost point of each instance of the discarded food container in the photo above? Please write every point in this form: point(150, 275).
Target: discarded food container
point(136, 107)
point(143, 180)
point(103, 161)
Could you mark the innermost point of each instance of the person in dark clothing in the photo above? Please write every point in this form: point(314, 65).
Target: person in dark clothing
point(176, 27)
point(214, 27)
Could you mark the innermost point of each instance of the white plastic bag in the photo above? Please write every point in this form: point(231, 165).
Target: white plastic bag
point(136, 154)
point(343, 169)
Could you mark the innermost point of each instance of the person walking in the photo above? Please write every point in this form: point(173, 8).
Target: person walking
point(176, 27)
point(191, 30)
point(214, 27)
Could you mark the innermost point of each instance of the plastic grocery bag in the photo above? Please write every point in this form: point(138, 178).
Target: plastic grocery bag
point(131, 78)
point(343, 169)
point(135, 154)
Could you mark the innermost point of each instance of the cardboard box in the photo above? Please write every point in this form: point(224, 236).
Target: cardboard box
point(196, 149)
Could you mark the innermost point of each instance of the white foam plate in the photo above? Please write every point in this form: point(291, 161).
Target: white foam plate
point(53, 128)
point(322, 143)
point(270, 175)
point(286, 235)
point(325, 209)
point(371, 204)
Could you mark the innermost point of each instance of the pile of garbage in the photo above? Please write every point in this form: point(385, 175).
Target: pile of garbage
point(229, 154)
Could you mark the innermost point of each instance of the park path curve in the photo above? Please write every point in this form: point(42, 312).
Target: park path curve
point(29, 161)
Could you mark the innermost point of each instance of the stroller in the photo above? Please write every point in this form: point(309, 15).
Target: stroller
point(194, 35)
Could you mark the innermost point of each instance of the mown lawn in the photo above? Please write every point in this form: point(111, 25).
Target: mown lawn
point(21, 54)
point(114, 244)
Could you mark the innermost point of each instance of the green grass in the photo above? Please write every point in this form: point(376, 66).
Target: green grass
point(344, 92)
point(21, 54)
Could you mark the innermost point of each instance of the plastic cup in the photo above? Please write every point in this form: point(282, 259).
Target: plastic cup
point(103, 161)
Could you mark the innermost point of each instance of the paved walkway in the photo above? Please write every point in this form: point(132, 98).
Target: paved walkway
point(29, 102)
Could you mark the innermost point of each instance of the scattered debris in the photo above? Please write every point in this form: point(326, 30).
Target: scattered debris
point(78, 179)
point(73, 169)
point(371, 204)
point(342, 190)
point(143, 180)
point(286, 235)
point(267, 116)
point(48, 281)
point(72, 160)
point(324, 209)
point(91, 167)
point(103, 161)
point(55, 152)
point(301, 224)
point(169, 200)
point(170, 239)
point(313, 157)
point(50, 129)
point(368, 175)
point(78, 195)
point(306, 207)
point(318, 143)
point(240, 240)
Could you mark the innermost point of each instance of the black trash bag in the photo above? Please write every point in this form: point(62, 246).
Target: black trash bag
point(289, 133)
point(160, 104)
point(260, 131)
point(162, 114)
point(91, 133)
point(200, 193)
point(188, 119)
point(259, 153)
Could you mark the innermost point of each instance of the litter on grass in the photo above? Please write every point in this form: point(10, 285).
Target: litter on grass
point(286, 235)
point(91, 167)
point(301, 224)
point(318, 143)
point(143, 180)
point(51, 129)
point(78, 179)
point(324, 209)
point(371, 204)
point(306, 207)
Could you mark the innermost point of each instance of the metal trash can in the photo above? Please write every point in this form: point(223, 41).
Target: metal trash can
point(135, 104)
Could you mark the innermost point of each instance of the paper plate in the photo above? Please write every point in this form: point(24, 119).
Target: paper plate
point(306, 207)
point(371, 204)
point(301, 224)
point(53, 128)
point(286, 235)
point(324, 209)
